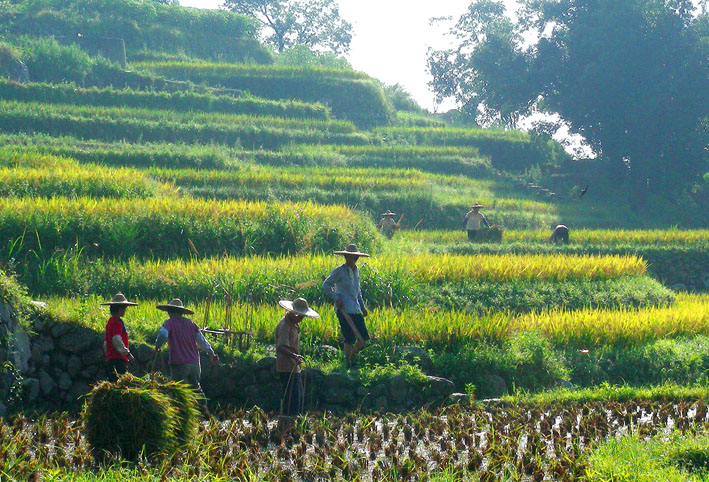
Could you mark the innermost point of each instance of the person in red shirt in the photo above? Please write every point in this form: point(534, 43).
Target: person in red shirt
point(115, 342)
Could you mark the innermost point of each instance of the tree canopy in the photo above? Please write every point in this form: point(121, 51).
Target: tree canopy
point(315, 23)
point(631, 76)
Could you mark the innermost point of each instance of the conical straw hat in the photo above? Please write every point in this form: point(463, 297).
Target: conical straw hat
point(119, 299)
point(175, 305)
point(352, 250)
point(299, 306)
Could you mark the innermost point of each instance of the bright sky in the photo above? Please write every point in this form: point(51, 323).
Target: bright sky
point(391, 38)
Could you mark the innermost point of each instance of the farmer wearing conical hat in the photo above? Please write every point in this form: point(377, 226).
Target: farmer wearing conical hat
point(115, 341)
point(473, 221)
point(343, 287)
point(288, 357)
point(183, 336)
point(387, 225)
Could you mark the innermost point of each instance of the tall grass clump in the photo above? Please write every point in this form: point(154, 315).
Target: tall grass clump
point(143, 24)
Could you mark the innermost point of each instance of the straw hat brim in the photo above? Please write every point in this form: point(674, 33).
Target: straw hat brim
point(288, 305)
point(119, 303)
point(353, 253)
point(477, 206)
point(181, 309)
point(388, 214)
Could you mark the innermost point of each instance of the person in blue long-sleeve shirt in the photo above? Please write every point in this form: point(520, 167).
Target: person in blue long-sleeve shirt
point(343, 287)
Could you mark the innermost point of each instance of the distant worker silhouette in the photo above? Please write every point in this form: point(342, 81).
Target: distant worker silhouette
point(560, 234)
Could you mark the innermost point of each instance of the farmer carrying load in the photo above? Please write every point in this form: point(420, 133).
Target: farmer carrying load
point(473, 221)
point(115, 341)
point(183, 336)
point(343, 287)
point(387, 225)
point(288, 357)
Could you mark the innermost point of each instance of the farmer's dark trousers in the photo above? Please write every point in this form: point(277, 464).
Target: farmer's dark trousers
point(292, 393)
point(471, 234)
point(114, 368)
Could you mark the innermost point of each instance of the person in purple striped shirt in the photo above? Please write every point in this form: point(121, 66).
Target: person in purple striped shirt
point(183, 336)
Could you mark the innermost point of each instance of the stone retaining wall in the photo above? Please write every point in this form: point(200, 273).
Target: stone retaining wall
point(59, 362)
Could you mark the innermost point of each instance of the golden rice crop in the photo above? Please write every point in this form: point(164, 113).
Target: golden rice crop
point(172, 226)
point(587, 328)
point(421, 268)
point(510, 267)
point(580, 236)
point(688, 316)
point(29, 173)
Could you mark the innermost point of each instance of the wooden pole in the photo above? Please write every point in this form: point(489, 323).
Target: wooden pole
point(349, 321)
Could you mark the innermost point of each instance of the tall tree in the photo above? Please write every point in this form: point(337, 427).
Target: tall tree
point(631, 76)
point(315, 23)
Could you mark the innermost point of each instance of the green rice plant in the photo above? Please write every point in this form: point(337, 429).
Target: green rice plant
point(52, 176)
point(350, 95)
point(631, 458)
point(171, 227)
point(437, 159)
point(116, 124)
point(581, 236)
point(413, 119)
point(472, 283)
point(413, 321)
point(175, 101)
point(420, 199)
point(173, 116)
point(129, 421)
point(164, 155)
point(677, 257)
point(508, 150)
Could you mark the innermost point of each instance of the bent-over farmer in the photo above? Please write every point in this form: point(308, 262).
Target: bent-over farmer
point(288, 357)
point(560, 234)
point(343, 287)
point(387, 225)
point(473, 221)
point(115, 341)
point(183, 336)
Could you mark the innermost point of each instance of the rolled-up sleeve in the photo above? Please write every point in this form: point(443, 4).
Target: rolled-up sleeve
point(163, 335)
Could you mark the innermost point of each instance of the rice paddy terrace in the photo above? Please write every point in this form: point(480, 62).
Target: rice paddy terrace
point(229, 184)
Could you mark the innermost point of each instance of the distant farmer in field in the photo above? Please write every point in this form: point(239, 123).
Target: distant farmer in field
point(387, 225)
point(343, 287)
point(115, 341)
point(473, 221)
point(288, 357)
point(559, 235)
point(183, 336)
